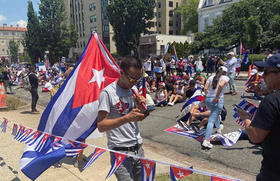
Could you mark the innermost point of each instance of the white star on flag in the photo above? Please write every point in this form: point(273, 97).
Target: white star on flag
point(97, 77)
point(148, 165)
point(120, 158)
point(180, 173)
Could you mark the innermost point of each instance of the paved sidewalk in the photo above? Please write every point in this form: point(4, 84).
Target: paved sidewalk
point(11, 152)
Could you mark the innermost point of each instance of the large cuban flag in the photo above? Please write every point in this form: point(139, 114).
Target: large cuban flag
point(72, 112)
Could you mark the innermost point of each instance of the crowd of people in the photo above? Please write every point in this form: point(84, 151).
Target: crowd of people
point(170, 81)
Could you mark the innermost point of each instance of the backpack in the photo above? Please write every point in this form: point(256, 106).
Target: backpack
point(26, 83)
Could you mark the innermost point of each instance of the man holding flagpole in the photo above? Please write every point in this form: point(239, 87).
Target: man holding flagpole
point(118, 113)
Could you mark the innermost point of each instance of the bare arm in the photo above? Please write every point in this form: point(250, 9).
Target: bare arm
point(106, 124)
point(206, 87)
point(256, 135)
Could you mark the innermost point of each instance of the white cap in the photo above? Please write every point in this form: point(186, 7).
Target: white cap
point(230, 53)
point(254, 71)
point(224, 68)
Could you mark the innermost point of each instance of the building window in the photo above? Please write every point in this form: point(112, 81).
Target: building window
point(171, 4)
point(159, 5)
point(177, 23)
point(170, 23)
point(81, 44)
point(159, 14)
point(171, 13)
point(93, 18)
point(225, 1)
point(92, 6)
point(170, 32)
point(159, 24)
point(106, 28)
point(159, 32)
point(209, 3)
point(2, 41)
point(177, 4)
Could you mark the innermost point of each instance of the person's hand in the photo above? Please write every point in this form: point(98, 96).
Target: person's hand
point(135, 115)
point(215, 100)
point(140, 99)
point(243, 114)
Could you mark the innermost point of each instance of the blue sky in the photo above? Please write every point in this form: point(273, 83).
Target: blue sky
point(13, 12)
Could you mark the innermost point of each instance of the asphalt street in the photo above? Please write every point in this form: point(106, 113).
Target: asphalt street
point(243, 156)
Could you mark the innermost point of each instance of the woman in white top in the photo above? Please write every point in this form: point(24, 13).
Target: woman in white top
point(161, 95)
point(214, 90)
point(177, 96)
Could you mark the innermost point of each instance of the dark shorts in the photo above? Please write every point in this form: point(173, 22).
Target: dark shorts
point(238, 69)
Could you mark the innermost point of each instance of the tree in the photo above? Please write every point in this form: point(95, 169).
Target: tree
point(129, 19)
point(32, 41)
point(57, 37)
point(13, 51)
point(188, 11)
point(254, 22)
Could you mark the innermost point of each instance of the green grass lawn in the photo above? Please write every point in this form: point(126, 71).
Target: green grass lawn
point(193, 177)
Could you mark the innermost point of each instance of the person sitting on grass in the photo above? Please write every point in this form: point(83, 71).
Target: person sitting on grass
point(178, 94)
point(161, 95)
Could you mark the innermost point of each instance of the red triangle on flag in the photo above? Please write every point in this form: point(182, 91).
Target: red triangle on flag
point(95, 73)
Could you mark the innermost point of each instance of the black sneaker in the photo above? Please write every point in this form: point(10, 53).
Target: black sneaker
point(195, 128)
point(183, 125)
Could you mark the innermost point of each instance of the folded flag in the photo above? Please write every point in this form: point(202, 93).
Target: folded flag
point(118, 159)
point(14, 131)
point(230, 139)
point(177, 173)
point(72, 112)
point(148, 170)
point(74, 148)
point(97, 152)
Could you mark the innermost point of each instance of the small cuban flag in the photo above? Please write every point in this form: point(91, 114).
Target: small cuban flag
point(118, 159)
point(166, 48)
point(215, 178)
point(26, 133)
point(4, 125)
point(177, 173)
point(14, 131)
point(148, 170)
point(97, 152)
point(20, 132)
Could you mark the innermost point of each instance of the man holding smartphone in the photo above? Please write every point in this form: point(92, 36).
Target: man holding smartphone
point(265, 127)
point(119, 111)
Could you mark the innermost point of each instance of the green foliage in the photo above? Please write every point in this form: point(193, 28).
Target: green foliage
point(57, 37)
point(189, 13)
point(24, 58)
point(13, 50)
point(192, 177)
point(182, 49)
point(129, 19)
point(254, 22)
point(32, 42)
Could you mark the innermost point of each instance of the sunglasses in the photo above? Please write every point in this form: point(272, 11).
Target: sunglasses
point(266, 72)
point(132, 80)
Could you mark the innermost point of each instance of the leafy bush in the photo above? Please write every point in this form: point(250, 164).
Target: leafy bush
point(13, 102)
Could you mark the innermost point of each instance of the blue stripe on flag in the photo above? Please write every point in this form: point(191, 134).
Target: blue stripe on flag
point(65, 119)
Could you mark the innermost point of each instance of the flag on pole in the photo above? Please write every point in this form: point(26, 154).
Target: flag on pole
point(148, 170)
point(175, 54)
point(177, 173)
point(97, 152)
point(244, 53)
point(166, 48)
point(118, 159)
point(72, 112)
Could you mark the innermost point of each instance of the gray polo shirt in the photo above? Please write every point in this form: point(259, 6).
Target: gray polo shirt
point(118, 102)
